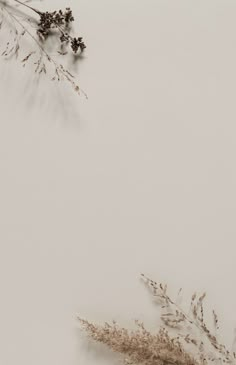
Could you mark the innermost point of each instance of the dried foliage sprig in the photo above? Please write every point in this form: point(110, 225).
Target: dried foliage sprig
point(140, 346)
point(55, 25)
point(183, 339)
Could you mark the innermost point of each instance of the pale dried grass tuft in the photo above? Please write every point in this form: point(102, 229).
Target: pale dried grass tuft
point(140, 346)
point(184, 338)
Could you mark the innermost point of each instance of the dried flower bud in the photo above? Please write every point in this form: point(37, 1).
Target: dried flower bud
point(77, 43)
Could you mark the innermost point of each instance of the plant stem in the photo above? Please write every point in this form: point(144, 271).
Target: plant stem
point(59, 69)
point(30, 7)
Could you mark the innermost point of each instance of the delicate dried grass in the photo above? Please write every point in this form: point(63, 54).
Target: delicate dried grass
point(56, 24)
point(140, 346)
point(194, 343)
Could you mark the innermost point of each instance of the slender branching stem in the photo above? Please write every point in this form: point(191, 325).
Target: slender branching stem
point(30, 7)
point(47, 23)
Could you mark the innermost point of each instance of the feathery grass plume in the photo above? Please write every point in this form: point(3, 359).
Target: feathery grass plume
point(183, 339)
point(140, 346)
point(40, 27)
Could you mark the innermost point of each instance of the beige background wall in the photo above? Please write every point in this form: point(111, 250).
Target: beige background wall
point(138, 178)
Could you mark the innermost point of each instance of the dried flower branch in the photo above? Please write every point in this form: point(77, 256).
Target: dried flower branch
point(184, 339)
point(55, 25)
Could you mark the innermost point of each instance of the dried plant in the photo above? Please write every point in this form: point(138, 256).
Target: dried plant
point(182, 339)
point(55, 25)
